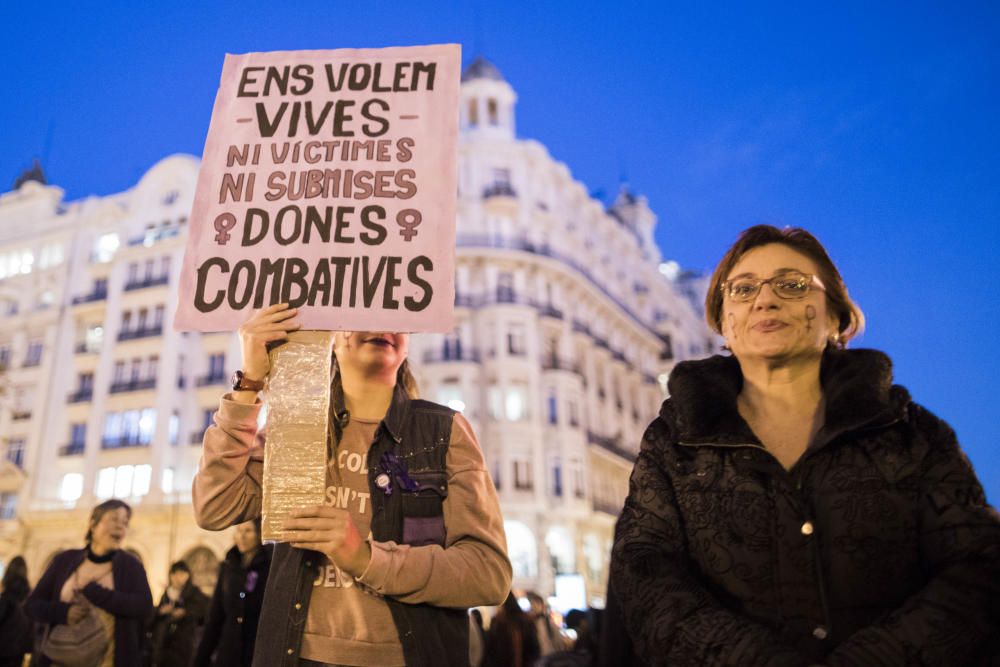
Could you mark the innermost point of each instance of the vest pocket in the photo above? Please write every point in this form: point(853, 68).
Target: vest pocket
point(423, 510)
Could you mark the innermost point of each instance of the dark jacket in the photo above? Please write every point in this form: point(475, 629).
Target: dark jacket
point(174, 641)
point(512, 641)
point(16, 631)
point(231, 629)
point(876, 548)
point(417, 432)
point(130, 602)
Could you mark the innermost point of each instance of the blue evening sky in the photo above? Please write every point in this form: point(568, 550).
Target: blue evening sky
point(873, 124)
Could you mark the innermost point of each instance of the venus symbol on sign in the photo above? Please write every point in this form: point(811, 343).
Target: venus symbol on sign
point(223, 223)
point(408, 219)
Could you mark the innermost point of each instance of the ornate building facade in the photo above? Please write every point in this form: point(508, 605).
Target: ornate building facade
point(567, 323)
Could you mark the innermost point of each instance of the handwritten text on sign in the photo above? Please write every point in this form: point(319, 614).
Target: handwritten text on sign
point(329, 182)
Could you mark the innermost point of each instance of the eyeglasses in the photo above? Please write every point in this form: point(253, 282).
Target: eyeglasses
point(788, 285)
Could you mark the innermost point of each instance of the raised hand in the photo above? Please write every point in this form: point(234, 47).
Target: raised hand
point(265, 326)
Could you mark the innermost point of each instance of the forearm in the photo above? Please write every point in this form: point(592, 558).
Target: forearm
point(957, 611)
point(954, 615)
point(472, 569)
point(43, 604)
point(671, 615)
point(51, 612)
point(227, 487)
point(466, 574)
point(120, 603)
point(669, 612)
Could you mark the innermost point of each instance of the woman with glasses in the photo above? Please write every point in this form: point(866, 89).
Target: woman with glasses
point(790, 505)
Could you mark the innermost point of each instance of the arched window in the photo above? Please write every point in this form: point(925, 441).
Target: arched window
point(595, 556)
point(522, 549)
point(561, 549)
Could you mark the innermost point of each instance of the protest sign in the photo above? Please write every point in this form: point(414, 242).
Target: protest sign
point(328, 181)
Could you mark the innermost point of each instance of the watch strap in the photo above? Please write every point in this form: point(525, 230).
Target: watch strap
point(242, 383)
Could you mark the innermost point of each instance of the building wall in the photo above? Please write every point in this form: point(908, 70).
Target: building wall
point(566, 328)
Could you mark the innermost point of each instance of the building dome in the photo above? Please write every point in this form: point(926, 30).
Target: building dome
point(481, 68)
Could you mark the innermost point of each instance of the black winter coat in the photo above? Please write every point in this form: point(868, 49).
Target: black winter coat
point(231, 629)
point(174, 641)
point(130, 602)
point(876, 548)
point(16, 631)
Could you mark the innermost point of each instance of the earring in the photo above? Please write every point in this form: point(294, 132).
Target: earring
point(834, 339)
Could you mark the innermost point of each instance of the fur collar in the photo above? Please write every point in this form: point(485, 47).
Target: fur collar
point(857, 385)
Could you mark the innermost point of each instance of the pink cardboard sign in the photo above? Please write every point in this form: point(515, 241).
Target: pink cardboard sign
point(329, 181)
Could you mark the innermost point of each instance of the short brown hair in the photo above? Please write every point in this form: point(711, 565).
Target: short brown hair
point(851, 321)
point(101, 510)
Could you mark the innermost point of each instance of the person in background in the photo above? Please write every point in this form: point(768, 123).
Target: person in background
point(178, 620)
point(103, 579)
point(231, 629)
point(791, 505)
point(16, 631)
point(550, 637)
point(512, 640)
point(583, 650)
point(477, 637)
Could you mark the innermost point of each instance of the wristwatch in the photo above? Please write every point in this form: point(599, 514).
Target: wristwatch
point(242, 383)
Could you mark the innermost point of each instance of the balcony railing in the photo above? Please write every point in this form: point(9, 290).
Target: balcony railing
point(611, 445)
point(502, 295)
point(614, 509)
point(146, 332)
point(123, 441)
point(87, 348)
point(465, 300)
point(552, 363)
point(154, 235)
point(548, 310)
point(31, 362)
point(210, 379)
point(72, 449)
point(151, 281)
point(523, 244)
point(450, 354)
point(99, 294)
point(81, 395)
point(499, 189)
point(132, 385)
point(20, 415)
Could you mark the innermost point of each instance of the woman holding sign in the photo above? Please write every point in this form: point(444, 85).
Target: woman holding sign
point(410, 533)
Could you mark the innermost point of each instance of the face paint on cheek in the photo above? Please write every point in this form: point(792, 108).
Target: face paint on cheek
point(810, 316)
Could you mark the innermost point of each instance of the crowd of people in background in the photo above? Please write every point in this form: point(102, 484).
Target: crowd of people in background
point(92, 607)
point(526, 632)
